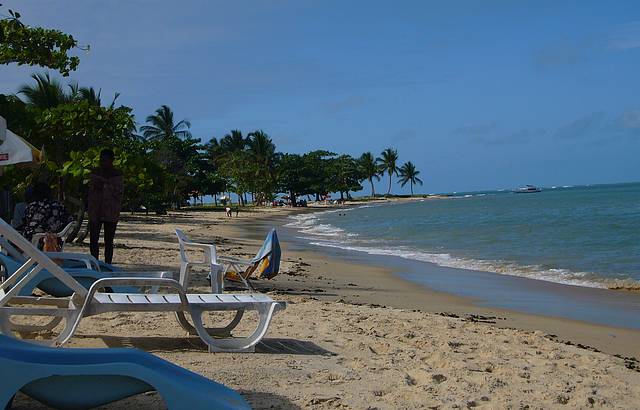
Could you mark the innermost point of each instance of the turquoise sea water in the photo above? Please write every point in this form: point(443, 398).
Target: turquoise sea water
point(586, 236)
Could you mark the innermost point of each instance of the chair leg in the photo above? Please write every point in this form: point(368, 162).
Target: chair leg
point(72, 320)
point(239, 344)
point(218, 331)
point(184, 323)
point(36, 328)
point(247, 283)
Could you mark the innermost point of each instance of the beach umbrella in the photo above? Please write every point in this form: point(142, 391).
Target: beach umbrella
point(14, 149)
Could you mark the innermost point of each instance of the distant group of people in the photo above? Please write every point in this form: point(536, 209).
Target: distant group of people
point(40, 213)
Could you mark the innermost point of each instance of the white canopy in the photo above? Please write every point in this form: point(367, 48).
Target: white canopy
point(13, 149)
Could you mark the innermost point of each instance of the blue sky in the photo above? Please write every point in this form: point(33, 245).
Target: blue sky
point(479, 95)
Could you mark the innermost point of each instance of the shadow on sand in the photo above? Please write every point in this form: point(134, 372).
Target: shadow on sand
point(153, 401)
point(168, 344)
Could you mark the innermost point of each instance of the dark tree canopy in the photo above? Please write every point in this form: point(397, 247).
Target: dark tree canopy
point(36, 46)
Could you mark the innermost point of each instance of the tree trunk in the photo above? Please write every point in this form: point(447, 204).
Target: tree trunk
point(61, 189)
point(292, 198)
point(341, 195)
point(411, 185)
point(215, 199)
point(389, 190)
point(373, 191)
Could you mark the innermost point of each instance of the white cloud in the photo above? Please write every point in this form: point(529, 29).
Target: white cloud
point(626, 37)
point(631, 119)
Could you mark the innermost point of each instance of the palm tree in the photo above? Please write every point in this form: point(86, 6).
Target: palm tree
point(162, 126)
point(46, 93)
point(388, 164)
point(234, 141)
point(409, 173)
point(262, 151)
point(370, 169)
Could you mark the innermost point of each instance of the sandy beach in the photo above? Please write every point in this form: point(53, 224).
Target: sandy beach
point(356, 337)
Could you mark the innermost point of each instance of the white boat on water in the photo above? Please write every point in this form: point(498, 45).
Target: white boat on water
point(527, 189)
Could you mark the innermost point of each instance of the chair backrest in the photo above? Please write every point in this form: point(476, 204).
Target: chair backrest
point(182, 240)
point(63, 234)
point(185, 242)
point(36, 261)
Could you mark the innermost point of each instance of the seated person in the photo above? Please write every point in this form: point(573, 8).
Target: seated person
point(44, 214)
point(18, 210)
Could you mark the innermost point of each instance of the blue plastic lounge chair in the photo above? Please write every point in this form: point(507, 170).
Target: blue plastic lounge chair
point(49, 284)
point(84, 303)
point(87, 378)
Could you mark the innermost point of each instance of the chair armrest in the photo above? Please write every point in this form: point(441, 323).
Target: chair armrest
point(209, 253)
point(144, 275)
point(35, 239)
point(227, 259)
point(89, 261)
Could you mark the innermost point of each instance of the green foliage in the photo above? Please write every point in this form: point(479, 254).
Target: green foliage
point(345, 175)
point(161, 125)
point(80, 125)
point(137, 178)
point(168, 166)
point(46, 93)
point(36, 46)
point(19, 118)
point(290, 175)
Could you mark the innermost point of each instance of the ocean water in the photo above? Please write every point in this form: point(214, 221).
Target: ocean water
point(585, 235)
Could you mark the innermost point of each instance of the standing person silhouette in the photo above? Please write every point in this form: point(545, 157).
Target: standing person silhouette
point(106, 186)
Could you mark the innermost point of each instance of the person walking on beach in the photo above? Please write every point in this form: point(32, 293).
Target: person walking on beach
point(106, 187)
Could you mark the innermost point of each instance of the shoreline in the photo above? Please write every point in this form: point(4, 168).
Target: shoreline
point(382, 285)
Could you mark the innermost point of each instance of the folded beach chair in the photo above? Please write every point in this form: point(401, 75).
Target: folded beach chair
point(84, 303)
point(87, 378)
point(266, 263)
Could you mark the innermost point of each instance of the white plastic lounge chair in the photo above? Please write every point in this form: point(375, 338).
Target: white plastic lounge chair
point(87, 378)
point(90, 302)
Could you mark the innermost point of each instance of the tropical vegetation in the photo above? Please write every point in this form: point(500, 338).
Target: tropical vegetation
point(164, 164)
